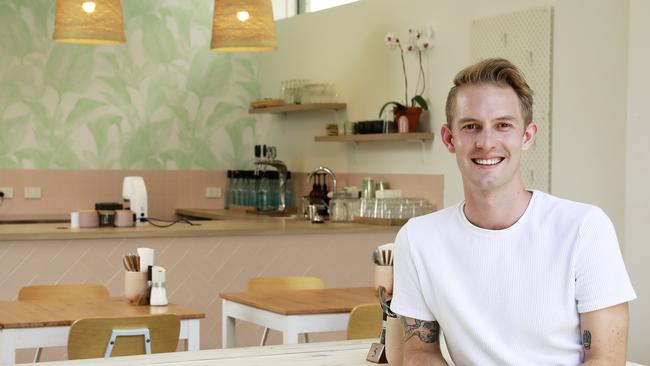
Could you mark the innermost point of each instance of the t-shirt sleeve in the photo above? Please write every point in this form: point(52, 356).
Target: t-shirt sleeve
point(601, 279)
point(407, 292)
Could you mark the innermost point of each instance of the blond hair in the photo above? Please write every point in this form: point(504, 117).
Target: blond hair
point(497, 71)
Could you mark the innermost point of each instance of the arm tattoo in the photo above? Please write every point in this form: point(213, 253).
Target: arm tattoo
point(586, 340)
point(428, 332)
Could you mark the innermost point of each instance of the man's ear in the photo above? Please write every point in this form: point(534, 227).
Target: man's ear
point(447, 138)
point(529, 135)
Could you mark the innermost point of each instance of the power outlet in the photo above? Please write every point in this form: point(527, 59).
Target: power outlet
point(213, 192)
point(32, 193)
point(8, 192)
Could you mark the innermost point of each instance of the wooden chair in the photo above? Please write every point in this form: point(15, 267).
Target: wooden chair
point(274, 284)
point(61, 292)
point(365, 321)
point(106, 337)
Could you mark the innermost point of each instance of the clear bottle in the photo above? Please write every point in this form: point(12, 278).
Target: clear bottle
point(243, 188)
point(253, 189)
point(251, 192)
point(263, 192)
point(274, 190)
point(288, 196)
point(228, 196)
point(236, 188)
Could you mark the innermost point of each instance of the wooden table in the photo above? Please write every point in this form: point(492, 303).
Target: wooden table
point(293, 312)
point(32, 324)
point(344, 353)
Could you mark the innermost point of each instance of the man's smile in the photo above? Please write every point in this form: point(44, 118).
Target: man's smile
point(488, 162)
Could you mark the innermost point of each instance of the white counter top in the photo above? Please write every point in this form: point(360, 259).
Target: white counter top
point(344, 353)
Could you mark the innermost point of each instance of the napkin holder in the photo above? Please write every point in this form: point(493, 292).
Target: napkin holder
point(377, 352)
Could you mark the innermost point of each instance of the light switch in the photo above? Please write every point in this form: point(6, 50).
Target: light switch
point(213, 192)
point(32, 193)
point(8, 191)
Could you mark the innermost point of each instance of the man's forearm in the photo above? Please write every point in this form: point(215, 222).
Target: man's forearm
point(424, 359)
point(596, 363)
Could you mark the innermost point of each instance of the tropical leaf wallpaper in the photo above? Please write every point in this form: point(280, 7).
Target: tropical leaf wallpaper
point(161, 101)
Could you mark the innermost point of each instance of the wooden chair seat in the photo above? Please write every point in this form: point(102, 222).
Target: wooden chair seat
point(89, 337)
point(286, 283)
point(63, 292)
point(273, 284)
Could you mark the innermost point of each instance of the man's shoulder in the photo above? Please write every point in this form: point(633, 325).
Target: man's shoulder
point(553, 207)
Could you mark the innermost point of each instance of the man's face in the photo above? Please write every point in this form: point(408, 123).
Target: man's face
point(488, 136)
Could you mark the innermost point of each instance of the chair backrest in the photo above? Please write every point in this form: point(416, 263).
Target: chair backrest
point(63, 292)
point(266, 284)
point(365, 321)
point(89, 337)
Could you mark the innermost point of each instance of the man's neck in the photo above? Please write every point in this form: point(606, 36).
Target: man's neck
point(496, 210)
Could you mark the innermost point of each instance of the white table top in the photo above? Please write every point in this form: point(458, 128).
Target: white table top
point(343, 353)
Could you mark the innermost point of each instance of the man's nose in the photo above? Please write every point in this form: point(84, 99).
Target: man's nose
point(485, 139)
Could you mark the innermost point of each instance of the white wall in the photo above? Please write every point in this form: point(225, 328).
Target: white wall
point(344, 45)
point(637, 178)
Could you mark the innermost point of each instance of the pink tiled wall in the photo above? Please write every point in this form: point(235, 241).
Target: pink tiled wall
point(64, 191)
point(198, 269)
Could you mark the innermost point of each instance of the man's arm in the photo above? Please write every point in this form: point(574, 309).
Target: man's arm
point(422, 343)
point(604, 335)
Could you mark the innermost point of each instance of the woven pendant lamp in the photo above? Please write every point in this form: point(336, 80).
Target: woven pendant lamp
point(94, 22)
point(243, 26)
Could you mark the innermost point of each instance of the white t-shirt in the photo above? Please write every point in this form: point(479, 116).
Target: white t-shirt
point(511, 296)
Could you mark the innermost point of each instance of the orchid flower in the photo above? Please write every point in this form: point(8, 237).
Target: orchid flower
point(418, 41)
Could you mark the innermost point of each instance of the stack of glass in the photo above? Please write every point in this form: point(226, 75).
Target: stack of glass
point(291, 91)
point(394, 208)
point(320, 93)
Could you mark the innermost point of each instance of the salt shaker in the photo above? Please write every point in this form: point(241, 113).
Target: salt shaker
point(158, 289)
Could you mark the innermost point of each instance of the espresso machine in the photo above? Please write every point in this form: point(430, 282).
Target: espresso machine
point(135, 192)
point(315, 206)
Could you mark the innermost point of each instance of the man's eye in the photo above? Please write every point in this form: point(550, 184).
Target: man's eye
point(505, 124)
point(469, 126)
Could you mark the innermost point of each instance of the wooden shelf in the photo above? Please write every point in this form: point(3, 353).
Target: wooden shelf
point(414, 136)
point(290, 108)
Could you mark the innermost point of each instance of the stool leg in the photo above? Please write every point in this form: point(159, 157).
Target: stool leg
point(265, 334)
point(37, 355)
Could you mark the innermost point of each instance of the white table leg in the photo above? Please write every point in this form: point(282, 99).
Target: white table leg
point(227, 326)
point(194, 335)
point(7, 347)
point(290, 331)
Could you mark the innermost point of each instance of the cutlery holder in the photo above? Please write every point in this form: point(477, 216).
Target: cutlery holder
point(384, 277)
point(123, 218)
point(135, 287)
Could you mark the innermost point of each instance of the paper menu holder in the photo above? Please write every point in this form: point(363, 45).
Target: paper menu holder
point(377, 353)
point(146, 258)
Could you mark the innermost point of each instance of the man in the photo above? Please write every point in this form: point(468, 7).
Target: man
point(511, 276)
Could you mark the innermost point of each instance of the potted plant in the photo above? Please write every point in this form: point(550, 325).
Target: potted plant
point(418, 42)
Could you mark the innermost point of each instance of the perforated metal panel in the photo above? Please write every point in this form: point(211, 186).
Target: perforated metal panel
point(526, 39)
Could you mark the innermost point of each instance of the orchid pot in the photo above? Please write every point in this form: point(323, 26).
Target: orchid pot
point(418, 42)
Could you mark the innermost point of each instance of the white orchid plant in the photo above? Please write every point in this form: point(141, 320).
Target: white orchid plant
point(417, 43)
